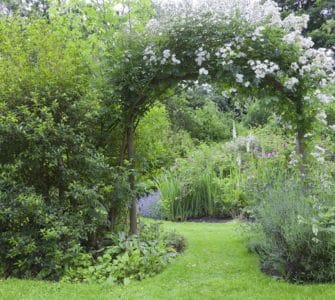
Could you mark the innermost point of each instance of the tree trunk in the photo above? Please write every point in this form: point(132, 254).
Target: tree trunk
point(133, 206)
point(123, 148)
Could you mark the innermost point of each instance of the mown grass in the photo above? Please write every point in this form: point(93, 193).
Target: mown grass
point(216, 265)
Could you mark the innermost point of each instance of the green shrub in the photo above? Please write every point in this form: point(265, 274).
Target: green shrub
point(295, 233)
point(36, 240)
point(176, 241)
point(198, 114)
point(209, 124)
point(152, 140)
point(58, 191)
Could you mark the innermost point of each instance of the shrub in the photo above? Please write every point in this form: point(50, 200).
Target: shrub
point(176, 241)
point(58, 191)
point(295, 237)
point(209, 124)
point(198, 113)
point(153, 135)
point(36, 240)
point(157, 146)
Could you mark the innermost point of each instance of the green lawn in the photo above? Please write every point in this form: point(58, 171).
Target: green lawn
point(216, 265)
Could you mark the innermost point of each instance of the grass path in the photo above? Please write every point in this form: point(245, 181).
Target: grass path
point(216, 265)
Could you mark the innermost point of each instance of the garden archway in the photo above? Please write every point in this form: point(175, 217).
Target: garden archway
point(270, 61)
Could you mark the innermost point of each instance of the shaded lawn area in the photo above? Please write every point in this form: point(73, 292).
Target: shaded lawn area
point(216, 265)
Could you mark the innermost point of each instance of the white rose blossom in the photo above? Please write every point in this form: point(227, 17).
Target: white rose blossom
point(201, 56)
point(323, 98)
point(263, 68)
point(322, 117)
point(319, 153)
point(239, 78)
point(290, 83)
point(174, 59)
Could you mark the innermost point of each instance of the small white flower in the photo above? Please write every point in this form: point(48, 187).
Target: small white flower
point(174, 59)
point(323, 150)
point(203, 71)
point(121, 9)
point(290, 83)
point(201, 56)
point(239, 78)
point(294, 66)
point(322, 117)
point(241, 54)
point(234, 131)
point(296, 23)
point(324, 98)
point(166, 53)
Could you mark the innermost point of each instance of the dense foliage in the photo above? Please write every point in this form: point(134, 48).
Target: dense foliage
point(38, 240)
point(158, 145)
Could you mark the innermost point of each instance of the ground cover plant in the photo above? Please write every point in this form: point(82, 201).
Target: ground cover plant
point(126, 257)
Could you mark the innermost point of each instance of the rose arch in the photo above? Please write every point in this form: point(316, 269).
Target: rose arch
point(262, 56)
